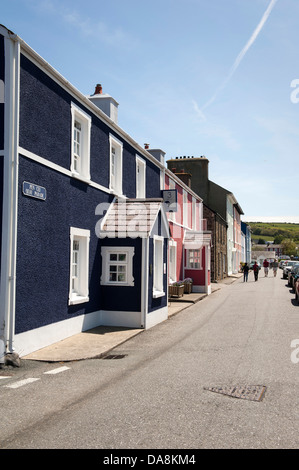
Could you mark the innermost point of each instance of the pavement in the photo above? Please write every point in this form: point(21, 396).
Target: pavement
point(100, 341)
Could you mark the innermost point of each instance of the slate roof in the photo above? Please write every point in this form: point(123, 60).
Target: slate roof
point(130, 218)
point(195, 240)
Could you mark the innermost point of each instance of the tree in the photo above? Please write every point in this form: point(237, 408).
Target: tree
point(288, 247)
point(278, 239)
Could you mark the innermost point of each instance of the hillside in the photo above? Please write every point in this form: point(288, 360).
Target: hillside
point(270, 231)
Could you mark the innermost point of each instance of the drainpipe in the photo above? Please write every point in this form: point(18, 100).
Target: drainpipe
point(145, 286)
point(10, 196)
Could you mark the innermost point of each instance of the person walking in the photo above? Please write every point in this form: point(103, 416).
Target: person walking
point(256, 271)
point(266, 267)
point(275, 267)
point(245, 271)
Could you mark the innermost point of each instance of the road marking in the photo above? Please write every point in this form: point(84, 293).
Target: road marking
point(21, 383)
point(58, 370)
point(5, 377)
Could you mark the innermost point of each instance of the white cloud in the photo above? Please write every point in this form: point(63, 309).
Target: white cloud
point(284, 219)
point(87, 26)
point(242, 54)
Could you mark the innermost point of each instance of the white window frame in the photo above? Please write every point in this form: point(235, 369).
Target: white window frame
point(80, 162)
point(193, 213)
point(185, 208)
point(140, 178)
point(171, 215)
point(79, 289)
point(117, 251)
point(158, 290)
point(116, 165)
point(172, 260)
point(196, 258)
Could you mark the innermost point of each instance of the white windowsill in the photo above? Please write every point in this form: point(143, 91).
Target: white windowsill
point(117, 284)
point(81, 178)
point(77, 299)
point(158, 293)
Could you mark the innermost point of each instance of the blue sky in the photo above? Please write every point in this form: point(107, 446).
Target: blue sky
point(192, 77)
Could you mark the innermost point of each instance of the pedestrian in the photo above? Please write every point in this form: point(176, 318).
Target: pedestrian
point(256, 271)
point(266, 267)
point(245, 271)
point(275, 267)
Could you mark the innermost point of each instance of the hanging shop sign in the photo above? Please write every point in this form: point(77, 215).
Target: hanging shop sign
point(170, 198)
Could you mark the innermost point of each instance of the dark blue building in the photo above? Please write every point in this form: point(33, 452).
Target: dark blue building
point(84, 235)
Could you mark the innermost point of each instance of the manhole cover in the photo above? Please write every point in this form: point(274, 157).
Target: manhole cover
point(247, 392)
point(115, 356)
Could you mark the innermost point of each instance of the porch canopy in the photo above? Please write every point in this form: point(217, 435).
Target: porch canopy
point(195, 240)
point(134, 218)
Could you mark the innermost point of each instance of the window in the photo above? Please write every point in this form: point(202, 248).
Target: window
point(194, 259)
point(116, 153)
point(185, 208)
point(140, 177)
point(172, 260)
point(79, 266)
point(158, 267)
point(77, 146)
point(171, 215)
point(193, 213)
point(117, 265)
point(80, 152)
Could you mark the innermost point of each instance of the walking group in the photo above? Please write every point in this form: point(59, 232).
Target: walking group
point(256, 267)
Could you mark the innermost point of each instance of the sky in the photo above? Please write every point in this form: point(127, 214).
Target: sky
point(218, 78)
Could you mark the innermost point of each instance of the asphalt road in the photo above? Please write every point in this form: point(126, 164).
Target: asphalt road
point(156, 397)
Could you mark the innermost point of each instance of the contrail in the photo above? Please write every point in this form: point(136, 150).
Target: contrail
point(243, 52)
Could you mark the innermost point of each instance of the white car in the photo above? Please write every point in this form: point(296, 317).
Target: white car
point(282, 263)
point(287, 267)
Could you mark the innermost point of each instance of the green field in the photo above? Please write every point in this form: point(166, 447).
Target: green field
point(268, 231)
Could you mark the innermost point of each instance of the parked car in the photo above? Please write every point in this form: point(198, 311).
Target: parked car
point(287, 267)
point(293, 276)
point(297, 291)
point(282, 263)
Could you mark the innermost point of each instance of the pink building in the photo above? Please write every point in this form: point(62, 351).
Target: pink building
point(190, 242)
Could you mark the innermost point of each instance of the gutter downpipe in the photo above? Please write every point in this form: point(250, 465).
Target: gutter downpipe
point(145, 286)
point(10, 191)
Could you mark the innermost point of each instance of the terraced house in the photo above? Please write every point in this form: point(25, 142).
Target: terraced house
point(84, 226)
point(223, 203)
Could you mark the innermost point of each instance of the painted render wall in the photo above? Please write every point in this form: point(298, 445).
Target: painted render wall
point(43, 249)
point(45, 130)
point(123, 298)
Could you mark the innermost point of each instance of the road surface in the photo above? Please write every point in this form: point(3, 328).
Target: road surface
point(157, 395)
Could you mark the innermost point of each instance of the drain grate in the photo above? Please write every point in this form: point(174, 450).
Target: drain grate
point(115, 356)
point(247, 392)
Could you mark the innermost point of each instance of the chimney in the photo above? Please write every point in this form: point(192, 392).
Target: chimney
point(146, 146)
point(98, 90)
point(158, 154)
point(105, 102)
point(198, 167)
point(183, 175)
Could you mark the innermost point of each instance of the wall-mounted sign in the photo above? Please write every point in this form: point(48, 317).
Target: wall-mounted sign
point(170, 200)
point(34, 190)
